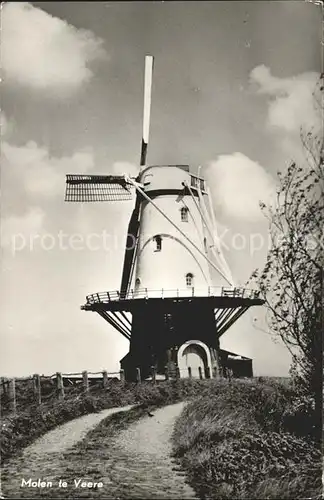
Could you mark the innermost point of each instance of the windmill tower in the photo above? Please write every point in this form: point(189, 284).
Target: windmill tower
point(177, 296)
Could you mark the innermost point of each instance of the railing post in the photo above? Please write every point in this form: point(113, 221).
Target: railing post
point(59, 385)
point(193, 291)
point(146, 296)
point(138, 375)
point(200, 372)
point(122, 375)
point(209, 291)
point(37, 388)
point(104, 378)
point(207, 372)
point(85, 381)
point(177, 373)
point(12, 395)
point(153, 374)
point(162, 294)
point(189, 372)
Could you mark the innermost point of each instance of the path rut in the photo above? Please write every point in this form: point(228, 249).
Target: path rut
point(136, 463)
point(146, 469)
point(65, 436)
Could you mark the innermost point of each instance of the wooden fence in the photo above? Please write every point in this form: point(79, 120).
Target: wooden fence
point(59, 384)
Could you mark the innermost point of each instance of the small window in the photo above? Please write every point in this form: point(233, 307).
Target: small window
point(189, 279)
point(184, 214)
point(158, 243)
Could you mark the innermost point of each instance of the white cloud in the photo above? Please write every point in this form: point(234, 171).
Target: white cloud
point(291, 103)
point(30, 170)
point(26, 225)
point(38, 172)
point(238, 184)
point(4, 124)
point(124, 167)
point(45, 52)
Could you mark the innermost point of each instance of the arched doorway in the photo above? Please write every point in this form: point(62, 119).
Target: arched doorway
point(194, 354)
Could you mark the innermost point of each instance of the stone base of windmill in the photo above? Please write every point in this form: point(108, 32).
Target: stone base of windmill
point(193, 359)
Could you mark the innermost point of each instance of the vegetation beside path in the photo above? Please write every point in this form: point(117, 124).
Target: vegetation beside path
point(32, 421)
point(235, 439)
point(250, 440)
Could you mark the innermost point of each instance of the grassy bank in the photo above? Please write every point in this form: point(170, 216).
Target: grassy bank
point(33, 421)
point(249, 439)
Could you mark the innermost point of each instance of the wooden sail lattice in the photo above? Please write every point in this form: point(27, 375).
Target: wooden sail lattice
point(92, 188)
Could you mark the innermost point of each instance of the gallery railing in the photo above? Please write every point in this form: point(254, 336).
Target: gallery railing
point(145, 293)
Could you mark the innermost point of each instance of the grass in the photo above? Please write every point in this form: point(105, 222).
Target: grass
point(249, 439)
point(32, 421)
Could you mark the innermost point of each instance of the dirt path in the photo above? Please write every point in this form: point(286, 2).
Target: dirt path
point(135, 463)
point(42, 458)
point(145, 469)
point(65, 436)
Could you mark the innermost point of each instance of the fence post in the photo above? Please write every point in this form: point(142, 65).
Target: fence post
point(207, 372)
point(37, 388)
point(60, 386)
point(85, 381)
point(4, 385)
point(138, 375)
point(189, 372)
point(200, 372)
point(153, 374)
point(122, 375)
point(104, 378)
point(166, 371)
point(12, 395)
point(177, 372)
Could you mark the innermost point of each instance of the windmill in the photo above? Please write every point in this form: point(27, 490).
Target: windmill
point(177, 295)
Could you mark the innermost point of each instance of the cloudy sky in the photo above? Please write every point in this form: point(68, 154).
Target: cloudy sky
point(232, 86)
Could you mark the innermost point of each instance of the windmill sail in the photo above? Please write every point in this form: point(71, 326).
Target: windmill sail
point(131, 245)
point(91, 188)
point(133, 228)
point(149, 62)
